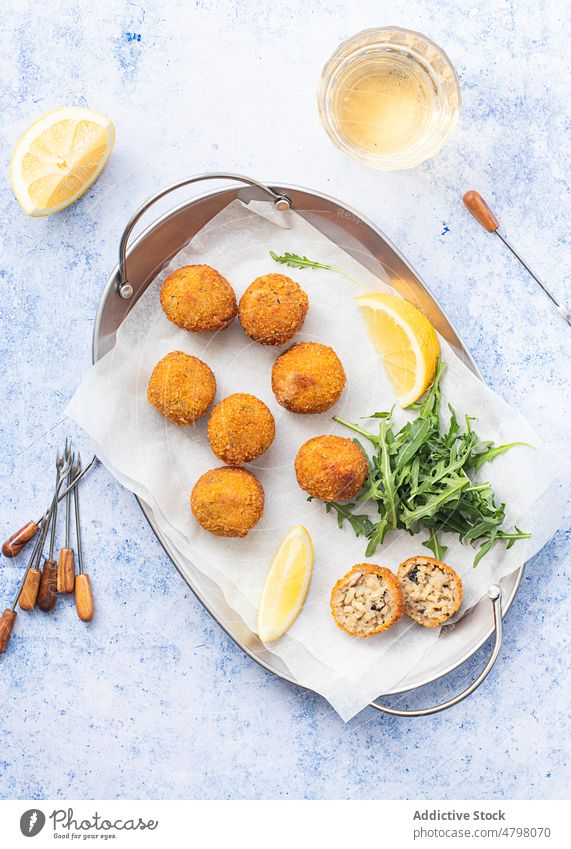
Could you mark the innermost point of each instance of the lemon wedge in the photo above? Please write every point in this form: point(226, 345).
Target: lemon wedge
point(406, 341)
point(59, 157)
point(286, 585)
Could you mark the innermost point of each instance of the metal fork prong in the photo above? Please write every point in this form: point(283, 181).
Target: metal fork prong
point(62, 474)
point(68, 480)
point(77, 474)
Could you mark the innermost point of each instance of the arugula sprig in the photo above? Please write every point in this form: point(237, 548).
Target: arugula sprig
point(422, 477)
point(361, 524)
point(297, 261)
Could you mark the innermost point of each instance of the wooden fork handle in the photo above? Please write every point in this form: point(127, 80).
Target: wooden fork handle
point(17, 541)
point(84, 597)
point(6, 626)
point(66, 571)
point(481, 211)
point(30, 590)
point(47, 595)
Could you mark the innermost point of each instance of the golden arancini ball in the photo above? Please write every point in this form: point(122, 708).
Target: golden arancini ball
point(432, 590)
point(308, 378)
point(181, 387)
point(240, 429)
point(228, 502)
point(273, 309)
point(367, 600)
point(198, 298)
point(331, 468)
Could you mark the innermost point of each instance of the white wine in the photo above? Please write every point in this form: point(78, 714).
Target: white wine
point(389, 97)
point(384, 105)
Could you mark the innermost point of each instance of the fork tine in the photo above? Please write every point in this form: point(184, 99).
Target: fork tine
point(62, 458)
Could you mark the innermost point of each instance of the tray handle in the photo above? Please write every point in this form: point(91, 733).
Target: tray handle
point(124, 288)
point(495, 594)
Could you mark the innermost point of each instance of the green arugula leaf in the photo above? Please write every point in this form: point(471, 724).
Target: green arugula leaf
point(370, 436)
point(362, 525)
point(491, 453)
point(484, 549)
point(296, 261)
point(433, 504)
point(376, 536)
point(429, 405)
point(512, 537)
point(390, 497)
point(419, 433)
point(380, 415)
point(434, 544)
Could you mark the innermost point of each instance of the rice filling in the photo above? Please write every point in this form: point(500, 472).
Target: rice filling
point(365, 602)
point(432, 590)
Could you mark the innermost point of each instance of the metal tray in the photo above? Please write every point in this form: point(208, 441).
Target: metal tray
point(154, 248)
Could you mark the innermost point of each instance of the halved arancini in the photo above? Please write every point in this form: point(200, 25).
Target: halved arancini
point(367, 600)
point(432, 590)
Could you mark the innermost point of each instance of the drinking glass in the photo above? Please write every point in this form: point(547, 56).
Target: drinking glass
point(389, 97)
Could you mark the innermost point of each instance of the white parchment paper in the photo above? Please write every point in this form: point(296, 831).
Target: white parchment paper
point(161, 462)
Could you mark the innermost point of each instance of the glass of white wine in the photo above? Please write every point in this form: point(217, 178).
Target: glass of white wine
point(389, 97)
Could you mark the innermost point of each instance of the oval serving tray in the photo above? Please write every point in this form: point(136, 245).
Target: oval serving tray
point(153, 249)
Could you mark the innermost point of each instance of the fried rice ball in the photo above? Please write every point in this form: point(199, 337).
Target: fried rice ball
point(367, 600)
point(331, 468)
point(432, 590)
point(272, 309)
point(240, 429)
point(181, 387)
point(198, 298)
point(228, 502)
point(308, 378)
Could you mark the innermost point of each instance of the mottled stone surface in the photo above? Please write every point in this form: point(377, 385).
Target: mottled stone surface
point(152, 699)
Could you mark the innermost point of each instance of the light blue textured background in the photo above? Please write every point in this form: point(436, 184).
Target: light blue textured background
point(152, 699)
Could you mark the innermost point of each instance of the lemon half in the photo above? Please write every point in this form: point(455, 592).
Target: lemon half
point(59, 157)
point(286, 585)
point(406, 341)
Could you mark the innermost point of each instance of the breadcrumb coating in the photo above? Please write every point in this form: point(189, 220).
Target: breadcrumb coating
point(272, 309)
point(308, 378)
point(367, 600)
point(181, 387)
point(227, 501)
point(331, 468)
point(240, 429)
point(198, 298)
